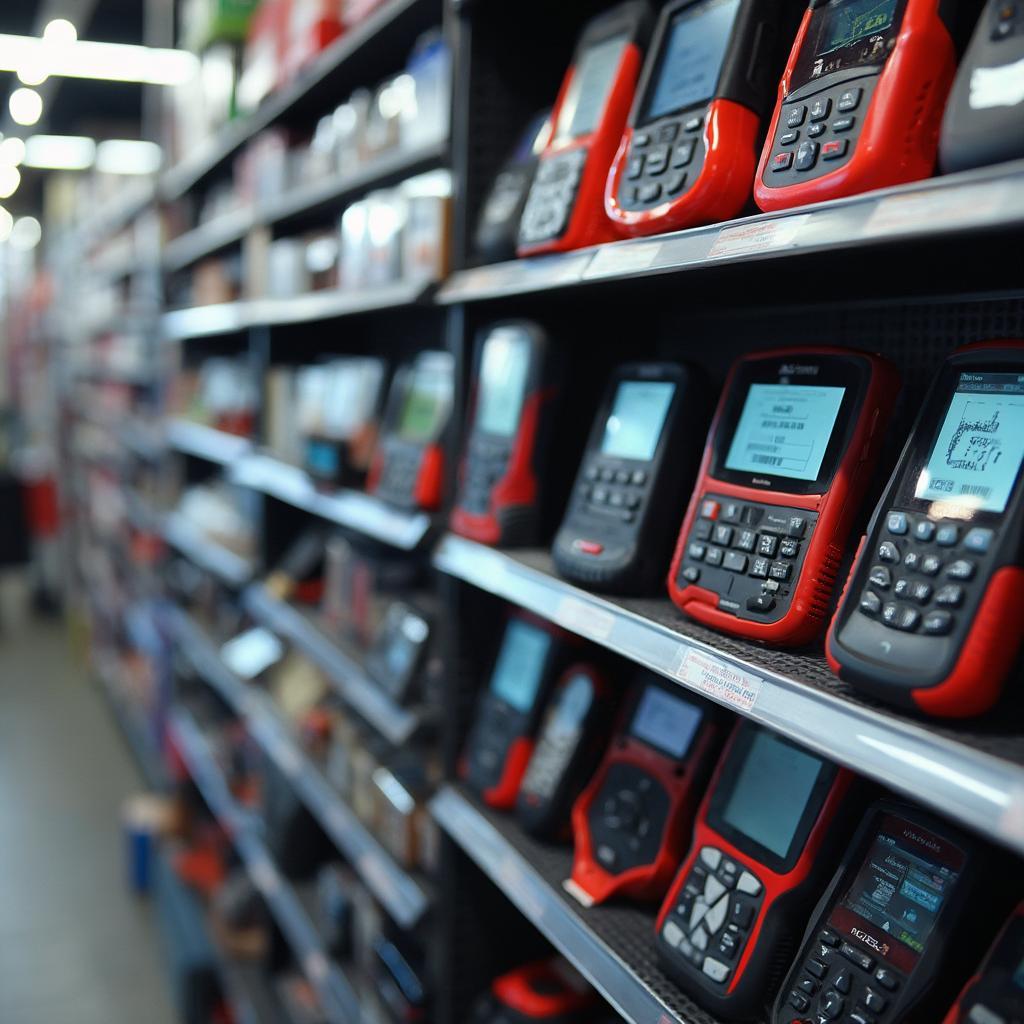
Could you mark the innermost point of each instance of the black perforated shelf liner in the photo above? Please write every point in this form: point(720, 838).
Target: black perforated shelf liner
point(627, 930)
point(998, 735)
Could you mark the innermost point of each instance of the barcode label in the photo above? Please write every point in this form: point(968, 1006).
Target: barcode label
point(766, 460)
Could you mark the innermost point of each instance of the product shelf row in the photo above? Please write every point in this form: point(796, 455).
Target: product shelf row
point(304, 201)
point(315, 87)
point(314, 307)
point(338, 999)
point(406, 899)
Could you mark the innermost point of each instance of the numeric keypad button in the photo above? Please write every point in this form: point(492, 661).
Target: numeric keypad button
point(930, 565)
point(767, 545)
point(745, 540)
point(947, 536)
point(961, 569)
point(950, 596)
point(924, 530)
point(938, 623)
point(888, 552)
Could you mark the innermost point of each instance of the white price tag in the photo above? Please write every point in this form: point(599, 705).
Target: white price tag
point(623, 258)
point(583, 618)
point(760, 236)
point(968, 204)
point(718, 679)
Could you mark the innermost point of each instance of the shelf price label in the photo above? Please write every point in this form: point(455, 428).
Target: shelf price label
point(719, 680)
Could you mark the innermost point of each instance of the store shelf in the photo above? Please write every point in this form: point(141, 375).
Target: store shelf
point(974, 776)
point(205, 442)
point(300, 203)
point(394, 722)
point(330, 304)
point(986, 199)
point(218, 233)
point(230, 568)
point(133, 728)
point(338, 999)
point(321, 197)
point(613, 947)
point(353, 509)
point(403, 896)
point(317, 84)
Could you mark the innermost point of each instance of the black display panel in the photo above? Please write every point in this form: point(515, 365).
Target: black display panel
point(847, 34)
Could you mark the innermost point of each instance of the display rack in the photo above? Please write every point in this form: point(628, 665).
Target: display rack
point(337, 997)
point(910, 271)
point(404, 897)
point(978, 779)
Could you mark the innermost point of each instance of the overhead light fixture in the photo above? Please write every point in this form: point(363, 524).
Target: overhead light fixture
point(59, 152)
point(127, 156)
point(110, 62)
point(6, 223)
point(60, 32)
point(12, 151)
point(26, 106)
point(10, 179)
point(26, 233)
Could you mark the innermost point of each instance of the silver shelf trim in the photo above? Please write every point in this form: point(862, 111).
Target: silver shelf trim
point(977, 200)
point(206, 442)
point(546, 909)
point(982, 791)
point(229, 567)
point(394, 722)
point(353, 509)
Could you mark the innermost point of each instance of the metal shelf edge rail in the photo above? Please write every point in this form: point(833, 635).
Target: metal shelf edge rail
point(546, 909)
point(989, 197)
point(353, 509)
point(206, 442)
point(980, 790)
point(229, 567)
point(395, 723)
point(339, 1001)
point(178, 180)
point(400, 894)
point(230, 317)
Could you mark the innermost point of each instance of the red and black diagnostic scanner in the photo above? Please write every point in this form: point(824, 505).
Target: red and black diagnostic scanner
point(766, 838)
point(637, 467)
point(408, 467)
point(932, 616)
point(995, 995)
point(861, 100)
point(569, 746)
point(503, 471)
point(509, 712)
point(632, 822)
point(788, 459)
point(874, 950)
point(565, 206)
point(690, 150)
point(545, 990)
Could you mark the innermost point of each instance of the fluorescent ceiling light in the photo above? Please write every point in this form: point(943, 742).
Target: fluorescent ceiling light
point(125, 156)
point(60, 31)
point(59, 152)
point(26, 233)
point(10, 179)
point(111, 62)
point(26, 106)
point(12, 151)
point(6, 223)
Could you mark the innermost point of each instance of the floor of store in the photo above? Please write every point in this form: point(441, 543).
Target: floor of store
point(75, 946)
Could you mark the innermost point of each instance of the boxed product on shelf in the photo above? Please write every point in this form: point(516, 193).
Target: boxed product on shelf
point(264, 55)
point(312, 26)
point(424, 112)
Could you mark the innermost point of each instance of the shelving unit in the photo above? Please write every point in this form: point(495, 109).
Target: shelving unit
point(972, 202)
point(978, 779)
point(405, 898)
point(910, 271)
point(337, 997)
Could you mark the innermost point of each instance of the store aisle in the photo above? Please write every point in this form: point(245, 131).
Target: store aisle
point(75, 946)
